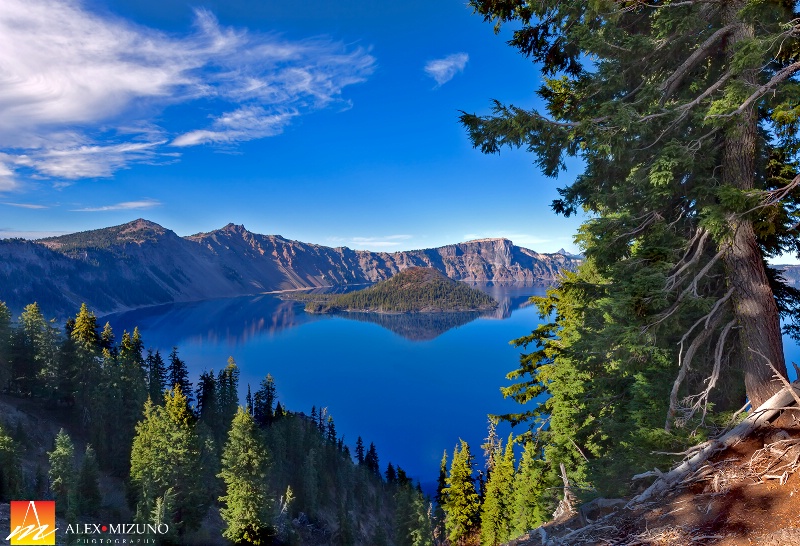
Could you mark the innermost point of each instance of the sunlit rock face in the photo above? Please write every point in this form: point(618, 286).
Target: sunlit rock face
point(142, 263)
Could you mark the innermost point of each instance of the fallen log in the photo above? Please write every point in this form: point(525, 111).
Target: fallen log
point(782, 400)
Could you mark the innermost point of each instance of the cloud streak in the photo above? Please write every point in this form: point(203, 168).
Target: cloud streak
point(25, 206)
point(79, 91)
point(443, 70)
point(127, 205)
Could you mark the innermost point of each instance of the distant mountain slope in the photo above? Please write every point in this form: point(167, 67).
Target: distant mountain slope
point(413, 290)
point(142, 263)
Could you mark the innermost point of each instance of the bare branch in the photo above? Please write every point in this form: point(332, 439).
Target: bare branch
point(672, 280)
point(675, 79)
point(685, 364)
point(780, 76)
point(778, 375)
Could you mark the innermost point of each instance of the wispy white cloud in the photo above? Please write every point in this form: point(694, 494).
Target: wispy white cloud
point(237, 126)
point(443, 70)
point(79, 91)
point(7, 180)
point(369, 243)
point(127, 205)
point(25, 205)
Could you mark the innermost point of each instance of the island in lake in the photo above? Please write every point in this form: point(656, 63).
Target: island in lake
point(414, 290)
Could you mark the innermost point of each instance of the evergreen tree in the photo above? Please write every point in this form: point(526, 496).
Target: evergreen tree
point(703, 169)
point(156, 375)
point(84, 363)
point(245, 464)
point(5, 346)
point(497, 508)
point(412, 519)
point(264, 401)
point(166, 456)
point(228, 391)
point(391, 474)
point(88, 488)
point(310, 476)
point(441, 485)
point(330, 434)
point(360, 451)
point(10, 468)
point(371, 460)
point(34, 353)
point(63, 478)
point(249, 401)
point(107, 339)
point(684, 115)
point(178, 374)
point(531, 507)
point(461, 503)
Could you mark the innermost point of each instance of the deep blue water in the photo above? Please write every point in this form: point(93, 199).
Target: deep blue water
point(413, 386)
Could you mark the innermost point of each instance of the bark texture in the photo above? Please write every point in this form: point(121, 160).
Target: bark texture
point(753, 301)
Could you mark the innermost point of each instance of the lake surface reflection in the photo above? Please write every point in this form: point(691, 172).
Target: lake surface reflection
point(412, 384)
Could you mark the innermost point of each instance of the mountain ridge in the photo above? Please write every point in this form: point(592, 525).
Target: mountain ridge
point(142, 263)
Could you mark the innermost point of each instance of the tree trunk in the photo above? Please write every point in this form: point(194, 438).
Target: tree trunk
point(753, 302)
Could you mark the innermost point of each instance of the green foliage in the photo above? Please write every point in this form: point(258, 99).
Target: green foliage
point(166, 455)
point(10, 468)
point(63, 477)
point(689, 182)
point(461, 503)
point(89, 497)
point(497, 507)
point(245, 464)
point(530, 502)
point(412, 290)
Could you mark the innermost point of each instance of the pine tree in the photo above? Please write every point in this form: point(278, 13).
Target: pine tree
point(264, 401)
point(88, 487)
point(63, 478)
point(10, 467)
point(245, 463)
point(391, 474)
point(703, 178)
point(497, 508)
point(360, 451)
point(156, 375)
point(461, 504)
point(178, 374)
point(371, 460)
point(441, 485)
point(166, 455)
point(531, 507)
point(684, 116)
point(5, 345)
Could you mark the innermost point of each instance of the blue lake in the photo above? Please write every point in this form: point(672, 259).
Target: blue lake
point(413, 385)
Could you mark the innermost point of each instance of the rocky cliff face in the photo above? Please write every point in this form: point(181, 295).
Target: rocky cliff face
point(142, 263)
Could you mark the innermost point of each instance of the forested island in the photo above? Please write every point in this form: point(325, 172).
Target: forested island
point(415, 290)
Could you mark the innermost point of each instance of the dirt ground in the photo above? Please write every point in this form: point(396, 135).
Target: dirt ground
point(746, 495)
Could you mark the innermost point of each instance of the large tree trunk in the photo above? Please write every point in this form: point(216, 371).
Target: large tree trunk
point(753, 302)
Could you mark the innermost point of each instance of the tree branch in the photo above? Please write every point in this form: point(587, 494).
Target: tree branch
point(780, 76)
point(675, 79)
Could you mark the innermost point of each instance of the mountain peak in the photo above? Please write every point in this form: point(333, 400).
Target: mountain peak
point(501, 240)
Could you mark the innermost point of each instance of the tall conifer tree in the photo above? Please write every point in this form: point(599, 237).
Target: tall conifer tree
point(245, 464)
point(461, 502)
point(685, 117)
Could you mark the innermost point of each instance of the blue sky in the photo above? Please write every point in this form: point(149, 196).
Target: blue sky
point(328, 122)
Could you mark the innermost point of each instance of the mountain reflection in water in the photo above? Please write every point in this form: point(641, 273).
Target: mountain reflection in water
point(237, 320)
